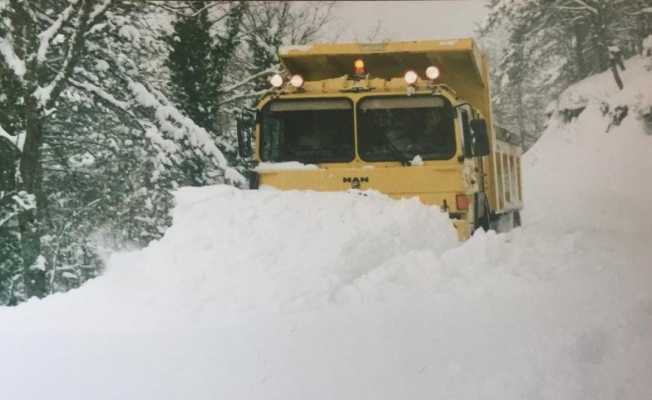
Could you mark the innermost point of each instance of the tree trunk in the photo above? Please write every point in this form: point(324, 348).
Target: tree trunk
point(614, 70)
point(520, 119)
point(520, 106)
point(601, 23)
point(580, 37)
point(30, 224)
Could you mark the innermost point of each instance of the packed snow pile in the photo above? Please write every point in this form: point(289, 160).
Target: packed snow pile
point(602, 89)
point(294, 295)
point(591, 173)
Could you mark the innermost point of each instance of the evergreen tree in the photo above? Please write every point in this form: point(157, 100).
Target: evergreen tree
point(101, 145)
point(272, 24)
point(103, 115)
point(545, 45)
point(202, 47)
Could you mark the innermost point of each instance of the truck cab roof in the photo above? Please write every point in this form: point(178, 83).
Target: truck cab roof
point(330, 67)
point(456, 58)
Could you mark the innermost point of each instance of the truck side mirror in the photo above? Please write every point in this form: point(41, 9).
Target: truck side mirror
point(480, 138)
point(244, 127)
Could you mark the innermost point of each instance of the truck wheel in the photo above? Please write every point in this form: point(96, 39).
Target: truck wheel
point(517, 219)
point(483, 215)
point(486, 221)
point(504, 222)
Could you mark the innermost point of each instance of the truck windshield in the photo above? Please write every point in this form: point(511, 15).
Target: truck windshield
point(307, 130)
point(400, 128)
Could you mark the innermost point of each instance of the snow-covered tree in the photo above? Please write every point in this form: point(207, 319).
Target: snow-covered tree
point(202, 46)
point(272, 24)
point(548, 44)
point(62, 56)
point(104, 117)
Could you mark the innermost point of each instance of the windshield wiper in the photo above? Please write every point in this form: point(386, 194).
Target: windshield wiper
point(402, 157)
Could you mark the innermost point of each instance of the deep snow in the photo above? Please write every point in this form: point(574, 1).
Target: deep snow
point(289, 295)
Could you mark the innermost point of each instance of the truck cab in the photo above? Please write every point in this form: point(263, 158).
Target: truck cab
point(408, 119)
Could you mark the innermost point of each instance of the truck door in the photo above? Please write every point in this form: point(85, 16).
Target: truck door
point(473, 174)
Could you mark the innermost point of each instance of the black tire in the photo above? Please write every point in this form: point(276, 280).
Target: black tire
point(517, 219)
point(482, 221)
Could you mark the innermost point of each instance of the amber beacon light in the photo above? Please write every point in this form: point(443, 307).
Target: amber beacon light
point(358, 67)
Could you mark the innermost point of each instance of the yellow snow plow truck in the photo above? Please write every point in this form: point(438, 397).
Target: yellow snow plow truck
point(403, 118)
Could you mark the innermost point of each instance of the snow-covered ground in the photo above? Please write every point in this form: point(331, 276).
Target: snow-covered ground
point(295, 295)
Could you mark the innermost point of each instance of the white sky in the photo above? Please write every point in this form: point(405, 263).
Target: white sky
point(406, 20)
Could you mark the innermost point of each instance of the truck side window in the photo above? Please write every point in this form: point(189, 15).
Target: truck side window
point(271, 147)
point(466, 132)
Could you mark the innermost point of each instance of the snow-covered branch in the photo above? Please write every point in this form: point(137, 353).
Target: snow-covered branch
point(585, 6)
point(249, 79)
point(47, 35)
point(243, 96)
point(48, 93)
point(173, 123)
point(11, 58)
point(17, 140)
point(101, 93)
point(99, 10)
point(4, 133)
point(18, 202)
point(206, 7)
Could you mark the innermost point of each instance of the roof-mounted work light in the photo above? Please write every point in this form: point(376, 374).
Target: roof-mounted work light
point(276, 80)
point(432, 72)
point(411, 77)
point(296, 81)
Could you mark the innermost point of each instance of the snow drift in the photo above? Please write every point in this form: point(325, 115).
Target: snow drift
point(590, 173)
point(294, 295)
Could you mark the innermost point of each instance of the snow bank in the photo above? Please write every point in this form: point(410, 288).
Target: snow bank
point(269, 295)
point(268, 250)
point(602, 89)
point(579, 176)
point(294, 295)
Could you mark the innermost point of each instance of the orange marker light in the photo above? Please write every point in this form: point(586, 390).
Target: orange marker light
point(462, 202)
point(358, 67)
